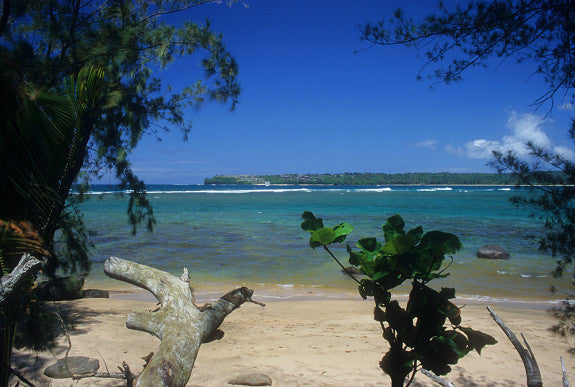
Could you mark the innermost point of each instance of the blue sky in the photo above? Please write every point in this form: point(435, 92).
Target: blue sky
point(309, 104)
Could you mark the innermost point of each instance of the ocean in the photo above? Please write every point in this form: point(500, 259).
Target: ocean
point(251, 235)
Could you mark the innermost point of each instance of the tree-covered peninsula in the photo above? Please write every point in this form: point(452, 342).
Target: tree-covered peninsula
point(441, 178)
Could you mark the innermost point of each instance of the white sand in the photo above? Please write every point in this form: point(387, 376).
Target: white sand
point(301, 343)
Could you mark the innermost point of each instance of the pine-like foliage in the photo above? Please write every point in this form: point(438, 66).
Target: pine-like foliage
point(541, 32)
point(551, 178)
point(49, 41)
point(474, 32)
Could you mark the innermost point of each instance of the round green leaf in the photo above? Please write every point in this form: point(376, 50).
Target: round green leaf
point(322, 237)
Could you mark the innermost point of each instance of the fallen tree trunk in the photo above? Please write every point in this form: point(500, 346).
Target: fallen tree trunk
point(180, 325)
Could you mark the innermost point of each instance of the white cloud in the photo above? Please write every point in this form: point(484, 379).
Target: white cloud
point(480, 149)
point(524, 128)
point(458, 151)
point(430, 144)
point(564, 152)
point(566, 107)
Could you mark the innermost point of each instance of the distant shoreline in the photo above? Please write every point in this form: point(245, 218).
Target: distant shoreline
point(374, 185)
point(370, 179)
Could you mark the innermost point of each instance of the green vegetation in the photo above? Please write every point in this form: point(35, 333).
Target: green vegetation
point(42, 141)
point(540, 32)
point(77, 95)
point(471, 34)
point(417, 335)
point(554, 205)
point(50, 41)
point(443, 178)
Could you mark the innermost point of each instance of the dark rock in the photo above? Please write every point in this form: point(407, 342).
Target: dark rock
point(95, 293)
point(60, 288)
point(493, 252)
point(78, 365)
point(352, 270)
point(251, 380)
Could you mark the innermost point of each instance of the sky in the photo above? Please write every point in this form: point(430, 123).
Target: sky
point(311, 103)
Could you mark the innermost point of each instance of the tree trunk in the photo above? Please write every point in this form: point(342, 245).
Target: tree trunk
point(7, 335)
point(179, 324)
point(4, 18)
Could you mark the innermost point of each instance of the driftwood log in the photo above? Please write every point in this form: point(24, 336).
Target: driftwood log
point(13, 290)
point(529, 362)
point(14, 285)
point(180, 325)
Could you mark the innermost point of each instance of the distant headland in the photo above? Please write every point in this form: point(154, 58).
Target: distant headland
point(416, 178)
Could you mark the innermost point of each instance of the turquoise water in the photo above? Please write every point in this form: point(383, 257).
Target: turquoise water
point(251, 235)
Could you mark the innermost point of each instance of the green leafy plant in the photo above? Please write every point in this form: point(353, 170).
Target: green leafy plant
point(417, 334)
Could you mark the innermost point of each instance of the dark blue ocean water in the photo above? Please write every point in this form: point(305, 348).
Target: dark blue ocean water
point(251, 234)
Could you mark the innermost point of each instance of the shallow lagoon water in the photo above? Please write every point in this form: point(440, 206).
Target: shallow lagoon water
point(238, 235)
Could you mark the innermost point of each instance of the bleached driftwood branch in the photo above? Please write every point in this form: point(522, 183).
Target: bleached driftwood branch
point(179, 324)
point(529, 362)
point(436, 378)
point(13, 290)
point(13, 286)
point(564, 373)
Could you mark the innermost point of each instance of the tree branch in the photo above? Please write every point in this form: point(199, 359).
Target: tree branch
point(564, 373)
point(159, 283)
point(175, 10)
point(179, 324)
point(529, 362)
point(436, 378)
point(17, 374)
point(12, 285)
point(4, 18)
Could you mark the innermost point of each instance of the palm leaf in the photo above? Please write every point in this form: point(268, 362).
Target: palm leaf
point(43, 144)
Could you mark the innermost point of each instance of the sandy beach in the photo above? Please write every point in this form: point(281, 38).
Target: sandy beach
point(298, 342)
